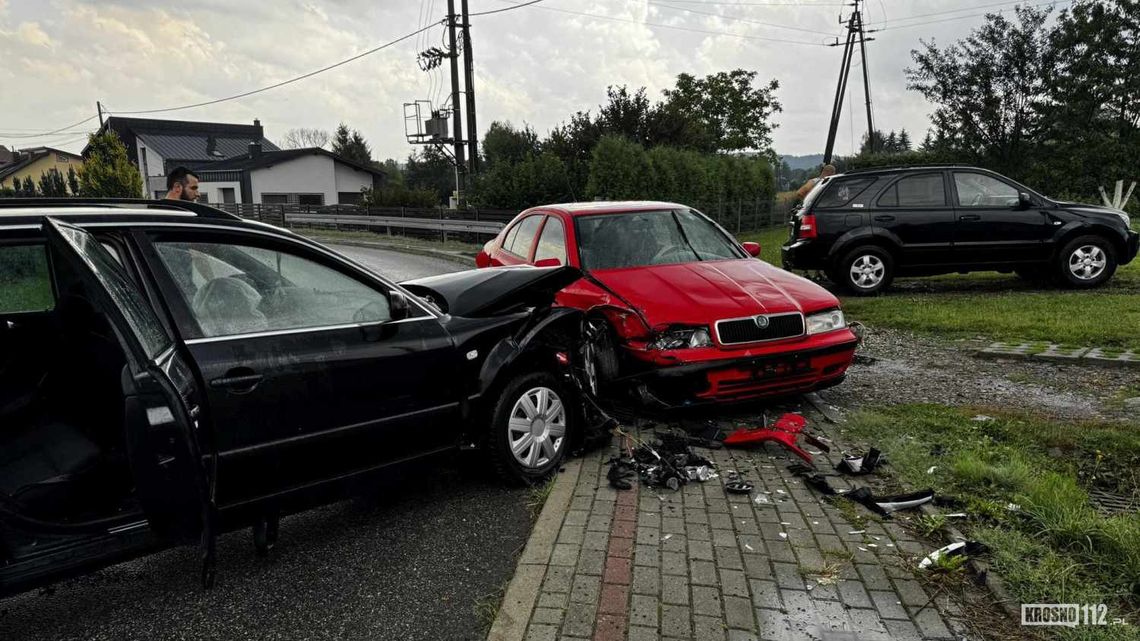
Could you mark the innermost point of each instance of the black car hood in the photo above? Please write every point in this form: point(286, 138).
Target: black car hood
point(1086, 208)
point(487, 292)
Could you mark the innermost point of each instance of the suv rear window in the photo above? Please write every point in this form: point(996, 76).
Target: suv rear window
point(841, 192)
point(925, 190)
point(25, 282)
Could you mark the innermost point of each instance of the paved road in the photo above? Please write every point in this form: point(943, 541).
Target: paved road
point(410, 560)
point(398, 266)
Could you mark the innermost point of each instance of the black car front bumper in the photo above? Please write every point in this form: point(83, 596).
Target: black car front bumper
point(1131, 247)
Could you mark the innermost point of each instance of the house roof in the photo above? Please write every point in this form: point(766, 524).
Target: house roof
point(25, 157)
point(270, 158)
point(191, 141)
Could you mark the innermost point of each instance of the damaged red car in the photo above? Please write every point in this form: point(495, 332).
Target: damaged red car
point(678, 311)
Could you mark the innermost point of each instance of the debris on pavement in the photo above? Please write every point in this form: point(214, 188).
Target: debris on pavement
point(667, 463)
point(739, 487)
point(860, 465)
point(785, 431)
point(885, 505)
point(960, 548)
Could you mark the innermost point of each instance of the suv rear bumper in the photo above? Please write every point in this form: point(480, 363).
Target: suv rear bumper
point(803, 254)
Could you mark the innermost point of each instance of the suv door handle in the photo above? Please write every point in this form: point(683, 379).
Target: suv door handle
point(239, 380)
point(969, 217)
point(884, 219)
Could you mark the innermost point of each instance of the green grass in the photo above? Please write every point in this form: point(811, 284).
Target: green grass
point(1055, 548)
point(996, 306)
point(25, 295)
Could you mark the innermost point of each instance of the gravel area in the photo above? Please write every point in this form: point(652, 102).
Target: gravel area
point(911, 368)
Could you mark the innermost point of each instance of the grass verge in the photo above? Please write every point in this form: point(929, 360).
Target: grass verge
point(1054, 547)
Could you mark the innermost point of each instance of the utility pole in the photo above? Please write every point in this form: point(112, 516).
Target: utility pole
point(855, 35)
point(99, 108)
point(469, 85)
point(456, 112)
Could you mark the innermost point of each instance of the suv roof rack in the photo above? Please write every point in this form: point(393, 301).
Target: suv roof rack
point(931, 165)
point(205, 211)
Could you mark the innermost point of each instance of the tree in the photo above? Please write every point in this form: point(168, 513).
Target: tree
point(989, 89)
point(891, 144)
point(350, 144)
point(431, 169)
point(107, 172)
point(904, 144)
point(72, 181)
point(304, 137)
point(734, 114)
point(51, 184)
point(1092, 121)
point(626, 114)
point(619, 170)
point(504, 144)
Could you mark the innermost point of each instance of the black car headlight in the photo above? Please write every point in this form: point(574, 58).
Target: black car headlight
point(682, 339)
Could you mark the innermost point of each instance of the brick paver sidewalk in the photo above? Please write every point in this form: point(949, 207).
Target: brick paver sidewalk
point(704, 564)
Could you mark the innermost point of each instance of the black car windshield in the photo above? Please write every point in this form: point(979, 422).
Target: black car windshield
point(638, 239)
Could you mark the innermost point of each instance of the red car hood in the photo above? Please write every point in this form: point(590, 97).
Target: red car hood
point(702, 292)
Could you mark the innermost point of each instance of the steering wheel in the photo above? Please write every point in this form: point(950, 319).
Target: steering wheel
point(977, 200)
point(666, 251)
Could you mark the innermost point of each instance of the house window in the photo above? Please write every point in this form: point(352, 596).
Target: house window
point(275, 199)
point(349, 197)
point(226, 194)
point(310, 199)
point(62, 158)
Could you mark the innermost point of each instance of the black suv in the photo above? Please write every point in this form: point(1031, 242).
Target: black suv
point(864, 228)
point(169, 371)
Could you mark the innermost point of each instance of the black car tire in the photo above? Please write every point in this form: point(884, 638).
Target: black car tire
point(499, 435)
point(1081, 256)
point(876, 259)
point(599, 356)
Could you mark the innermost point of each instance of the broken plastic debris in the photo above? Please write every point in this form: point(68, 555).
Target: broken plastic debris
point(888, 504)
point(872, 545)
point(860, 465)
point(738, 487)
point(748, 547)
point(760, 500)
point(959, 548)
point(784, 523)
point(783, 535)
point(863, 549)
point(956, 515)
point(982, 418)
point(932, 468)
point(666, 537)
point(780, 492)
point(1013, 507)
point(857, 532)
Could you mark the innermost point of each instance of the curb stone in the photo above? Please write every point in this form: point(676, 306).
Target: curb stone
point(1099, 356)
point(522, 592)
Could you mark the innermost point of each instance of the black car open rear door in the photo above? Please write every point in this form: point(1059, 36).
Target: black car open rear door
point(161, 395)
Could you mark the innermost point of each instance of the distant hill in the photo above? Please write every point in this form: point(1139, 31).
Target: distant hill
point(803, 162)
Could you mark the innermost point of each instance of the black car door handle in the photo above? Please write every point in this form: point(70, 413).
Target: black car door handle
point(884, 219)
point(240, 380)
point(969, 217)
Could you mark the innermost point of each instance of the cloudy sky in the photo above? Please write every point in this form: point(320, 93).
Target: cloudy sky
point(535, 64)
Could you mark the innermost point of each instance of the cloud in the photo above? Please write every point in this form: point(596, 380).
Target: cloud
point(533, 64)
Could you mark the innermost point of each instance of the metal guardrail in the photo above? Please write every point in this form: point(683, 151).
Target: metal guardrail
point(445, 225)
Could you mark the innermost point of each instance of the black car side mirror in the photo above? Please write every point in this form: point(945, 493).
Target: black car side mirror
point(1024, 201)
point(397, 305)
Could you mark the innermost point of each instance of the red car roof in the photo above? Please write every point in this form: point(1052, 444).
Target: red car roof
point(607, 207)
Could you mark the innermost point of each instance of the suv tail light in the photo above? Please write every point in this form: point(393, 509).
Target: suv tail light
point(807, 227)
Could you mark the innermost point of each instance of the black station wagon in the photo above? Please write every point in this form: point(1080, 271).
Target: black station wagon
point(864, 228)
point(169, 372)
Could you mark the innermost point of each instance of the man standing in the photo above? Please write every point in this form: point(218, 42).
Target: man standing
point(182, 184)
point(828, 170)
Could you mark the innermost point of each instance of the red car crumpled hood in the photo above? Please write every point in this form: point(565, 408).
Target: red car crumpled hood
point(700, 293)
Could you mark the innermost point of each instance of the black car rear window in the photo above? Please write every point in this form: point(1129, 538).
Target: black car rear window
point(841, 192)
point(926, 190)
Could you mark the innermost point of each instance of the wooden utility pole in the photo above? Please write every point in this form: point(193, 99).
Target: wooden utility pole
point(456, 111)
point(469, 86)
point(855, 35)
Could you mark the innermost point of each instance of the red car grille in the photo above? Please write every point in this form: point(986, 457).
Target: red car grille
point(747, 330)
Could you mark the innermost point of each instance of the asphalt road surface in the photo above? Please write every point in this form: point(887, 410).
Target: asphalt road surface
point(412, 559)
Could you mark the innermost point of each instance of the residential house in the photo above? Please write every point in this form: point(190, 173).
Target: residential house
point(236, 163)
point(34, 163)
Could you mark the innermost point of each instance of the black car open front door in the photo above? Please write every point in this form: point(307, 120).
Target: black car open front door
point(160, 394)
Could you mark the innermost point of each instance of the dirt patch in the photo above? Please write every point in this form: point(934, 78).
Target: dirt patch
point(910, 368)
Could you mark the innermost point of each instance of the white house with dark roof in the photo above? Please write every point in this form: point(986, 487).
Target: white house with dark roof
point(237, 164)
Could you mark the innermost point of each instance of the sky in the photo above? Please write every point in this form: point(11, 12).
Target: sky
point(534, 64)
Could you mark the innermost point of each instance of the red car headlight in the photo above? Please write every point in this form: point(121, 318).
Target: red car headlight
point(627, 324)
point(682, 338)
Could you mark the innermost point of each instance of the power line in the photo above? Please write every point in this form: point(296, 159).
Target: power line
point(972, 15)
point(518, 6)
point(949, 11)
point(806, 5)
point(674, 27)
point(739, 19)
point(245, 94)
point(55, 131)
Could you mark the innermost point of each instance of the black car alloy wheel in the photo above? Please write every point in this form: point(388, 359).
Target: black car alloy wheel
point(531, 427)
point(1086, 261)
point(865, 271)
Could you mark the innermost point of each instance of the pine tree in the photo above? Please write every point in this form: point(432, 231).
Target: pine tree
point(904, 141)
point(107, 172)
point(891, 145)
point(72, 181)
point(350, 144)
point(28, 189)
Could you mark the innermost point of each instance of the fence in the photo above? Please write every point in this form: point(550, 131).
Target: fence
point(469, 225)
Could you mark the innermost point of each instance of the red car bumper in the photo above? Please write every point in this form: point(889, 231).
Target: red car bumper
point(686, 377)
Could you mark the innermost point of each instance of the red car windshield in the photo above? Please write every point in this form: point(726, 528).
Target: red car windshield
point(644, 238)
